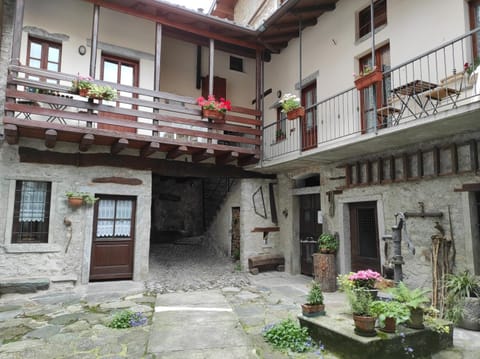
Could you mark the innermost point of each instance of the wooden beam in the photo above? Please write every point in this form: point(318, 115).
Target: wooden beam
point(50, 138)
point(358, 170)
point(369, 172)
point(160, 166)
point(393, 171)
point(119, 146)
point(454, 157)
point(86, 142)
point(474, 155)
point(177, 152)
point(11, 134)
point(348, 175)
point(118, 180)
point(149, 149)
point(17, 31)
point(315, 8)
point(436, 161)
point(202, 155)
point(94, 40)
point(248, 160)
point(226, 158)
point(158, 56)
point(419, 163)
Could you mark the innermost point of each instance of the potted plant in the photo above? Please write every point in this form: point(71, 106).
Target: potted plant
point(327, 243)
point(291, 106)
point(76, 199)
point(82, 85)
point(415, 300)
point(368, 77)
point(463, 300)
point(366, 280)
point(314, 305)
point(214, 110)
point(102, 92)
point(390, 313)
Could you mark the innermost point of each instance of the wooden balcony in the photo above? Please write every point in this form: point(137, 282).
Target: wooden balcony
point(40, 105)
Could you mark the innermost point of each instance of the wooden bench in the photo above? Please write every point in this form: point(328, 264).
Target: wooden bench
point(266, 262)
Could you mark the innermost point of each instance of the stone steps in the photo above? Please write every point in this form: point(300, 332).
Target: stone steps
point(27, 285)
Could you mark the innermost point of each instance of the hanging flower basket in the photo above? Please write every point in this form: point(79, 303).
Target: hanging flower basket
point(298, 112)
point(214, 115)
point(75, 202)
point(369, 78)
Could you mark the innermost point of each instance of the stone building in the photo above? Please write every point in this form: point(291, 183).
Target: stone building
point(406, 142)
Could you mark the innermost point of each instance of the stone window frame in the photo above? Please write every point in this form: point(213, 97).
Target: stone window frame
point(48, 247)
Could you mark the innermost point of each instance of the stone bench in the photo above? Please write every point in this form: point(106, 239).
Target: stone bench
point(29, 285)
point(266, 262)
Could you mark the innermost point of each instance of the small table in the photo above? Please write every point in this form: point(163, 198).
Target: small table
point(413, 90)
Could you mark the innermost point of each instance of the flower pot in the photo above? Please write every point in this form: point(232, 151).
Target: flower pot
point(298, 112)
point(75, 202)
point(367, 80)
point(416, 319)
point(390, 325)
point(83, 92)
point(313, 310)
point(364, 326)
point(214, 115)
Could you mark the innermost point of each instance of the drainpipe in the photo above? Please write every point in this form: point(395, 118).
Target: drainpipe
point(17, 32)
point(300, 55)
point(94, 41)
point(372, 29)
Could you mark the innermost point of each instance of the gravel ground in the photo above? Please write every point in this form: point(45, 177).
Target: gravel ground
point(190, 266)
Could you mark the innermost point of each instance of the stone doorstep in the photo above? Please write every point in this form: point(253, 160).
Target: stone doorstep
point(336, 332)
point(24, 285)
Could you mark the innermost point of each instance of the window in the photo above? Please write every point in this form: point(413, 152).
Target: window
point(31, 212)
point(379, 17)
point(114, 219)
point(236, 64)
point(281, 129)
point(474, 7)
point(44, 54)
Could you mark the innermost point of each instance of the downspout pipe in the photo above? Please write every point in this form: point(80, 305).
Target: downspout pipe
point(372, 29)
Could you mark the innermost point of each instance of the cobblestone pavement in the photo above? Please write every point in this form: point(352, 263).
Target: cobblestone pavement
point(72, 323)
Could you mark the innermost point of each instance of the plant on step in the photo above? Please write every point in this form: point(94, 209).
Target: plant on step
point(127, 319)
point(413, 298)
point(315, 295)
point(327, 243)
point(459, 287)
point(383, 309)
point(288, 336)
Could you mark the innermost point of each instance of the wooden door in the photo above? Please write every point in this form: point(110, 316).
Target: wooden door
point(310, 230)
point(113, 238)
point(309, 121)
point(124, 72)
point(235, 244)
point(364, 236)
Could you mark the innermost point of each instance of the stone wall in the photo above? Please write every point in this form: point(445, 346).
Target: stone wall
point(62, 256)
point(438, 194)
point(251, 243)
point(7, 15)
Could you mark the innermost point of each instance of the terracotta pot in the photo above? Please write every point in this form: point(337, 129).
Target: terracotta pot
point(416, 319)
point(75, 202)
point(298, 112)
point(364, 326)
point(373, 77)
point(390, 325)
point(83, 92)
point(214, 115)
point(313, 310)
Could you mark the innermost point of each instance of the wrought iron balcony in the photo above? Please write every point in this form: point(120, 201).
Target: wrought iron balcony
point(434, 86)
point(40, 104)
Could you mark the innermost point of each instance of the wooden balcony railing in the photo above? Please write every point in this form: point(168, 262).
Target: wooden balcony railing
point(40, 104)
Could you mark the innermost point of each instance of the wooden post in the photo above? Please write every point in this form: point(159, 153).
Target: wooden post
point(17, 32)
point(258, 84)
point(325, 271)
point(94, 41)
point(158, 60)
point(211, 66)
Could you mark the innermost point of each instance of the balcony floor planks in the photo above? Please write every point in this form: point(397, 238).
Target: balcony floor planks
point(36, 129)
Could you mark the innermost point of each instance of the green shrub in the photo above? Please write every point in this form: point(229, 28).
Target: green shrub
point(288, 336)
point(127, 319)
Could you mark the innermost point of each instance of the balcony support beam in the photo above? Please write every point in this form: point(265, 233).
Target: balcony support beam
point(177, 152)
point(202, 155)
point(119, 146)
point(11, 134)
point(50, 138)
point(86, 142)
point(226, 158)
point(149, 149)
point(248, 160)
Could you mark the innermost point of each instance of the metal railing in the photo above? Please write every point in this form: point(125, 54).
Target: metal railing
point(436, 81)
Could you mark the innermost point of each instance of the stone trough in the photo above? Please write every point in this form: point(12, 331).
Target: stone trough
point(336, 332)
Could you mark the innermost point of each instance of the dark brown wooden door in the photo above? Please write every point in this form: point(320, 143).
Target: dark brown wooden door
point(113, 238)
point(309, 121)
point(310, 230)
point(124, 72)
point(364, 236)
